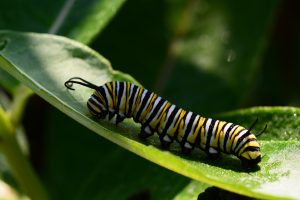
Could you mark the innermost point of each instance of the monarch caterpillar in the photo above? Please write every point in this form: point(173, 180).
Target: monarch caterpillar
point(126, 100)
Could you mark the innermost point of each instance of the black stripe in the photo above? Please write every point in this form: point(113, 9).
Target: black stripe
point(169, 122)
point(241, 139)
point(132, 95)
point(197, 136)
point(126, 97)
point(251, 148)
point(221, 129)
point(92, 101)
point(98, 99)
point(177, 130)
point(227, 136)
point(111, 92)
point(154, 112)
point(215, 134)
point(91, 108)
point(176, 121)
point(196, 125)
point(189, 127)
point(199, 132)
point(230, 137)
point(103, 94)
point(161, 114)
point(119, 96)
point(143, 104)
point(247, 141)
point(209, 134)
point(234, 139)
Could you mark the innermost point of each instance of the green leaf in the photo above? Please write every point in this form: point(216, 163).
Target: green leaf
point(45, 62)
point(77, 19)
point(80, 20)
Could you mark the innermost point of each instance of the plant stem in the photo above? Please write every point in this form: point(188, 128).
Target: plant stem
point(16, 111)
point(18, 163)
point(182, 27)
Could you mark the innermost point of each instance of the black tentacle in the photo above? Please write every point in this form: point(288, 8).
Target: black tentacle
point(262, 131)
point(85, 83)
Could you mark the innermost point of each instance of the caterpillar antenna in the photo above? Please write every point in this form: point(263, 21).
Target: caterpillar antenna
point(83, 82)
point(262, 131)
point(253, 124)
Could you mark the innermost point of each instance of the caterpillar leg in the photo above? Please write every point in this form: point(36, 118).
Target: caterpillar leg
point(165, 141)
point(119, 119)
point(146, 132)
point(186, 148)
point(213, 153)
point(110, 115)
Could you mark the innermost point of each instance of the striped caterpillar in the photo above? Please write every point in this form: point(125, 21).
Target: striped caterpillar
point(126, 100)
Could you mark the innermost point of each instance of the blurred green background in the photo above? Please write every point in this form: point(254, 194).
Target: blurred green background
point(206, 56)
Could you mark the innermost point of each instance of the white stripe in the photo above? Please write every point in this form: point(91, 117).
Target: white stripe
point(98, 103)
point(133, 108)
point(227, 127)
point(208, 122)
point(224, 133)
point(141, 100)
point(160, 110)
point(94, 107)
point(123, 100)
point(193, 126)
point(230, 133)
point(213, 133)
point(187, 119)
point(244, 140)
point(171, 109)
point(174, 120)
point(146, 106)
point(109, 99)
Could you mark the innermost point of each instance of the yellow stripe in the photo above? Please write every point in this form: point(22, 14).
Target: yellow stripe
point(236, 131)
point(158, 119)
point(149, 107)
point(115, 94)
point(109, 98)
point(192, 137)
point(218, 134)
point(215, 135)
point(138, 98)
point(203, 138)
point(251, 143)
point(100, 97)
point(180, 125)
point(127, 96)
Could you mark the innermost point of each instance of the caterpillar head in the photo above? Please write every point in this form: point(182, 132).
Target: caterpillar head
point(94, 103)
point(95, 107)
point(251, 154)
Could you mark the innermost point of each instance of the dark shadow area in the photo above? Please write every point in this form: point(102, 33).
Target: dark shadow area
point(214, 193)
point(140, 195)
point(92, 167)
point(224, 161)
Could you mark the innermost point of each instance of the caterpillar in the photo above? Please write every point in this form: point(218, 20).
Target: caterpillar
point(127, 100)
